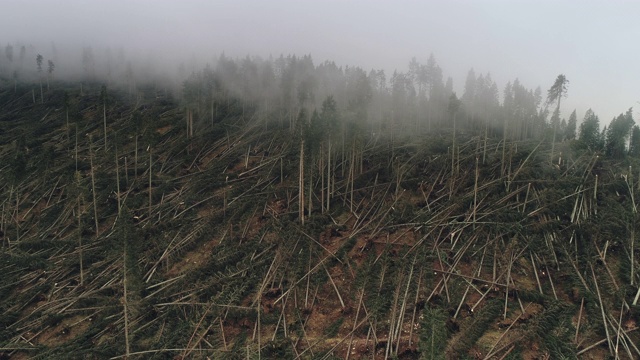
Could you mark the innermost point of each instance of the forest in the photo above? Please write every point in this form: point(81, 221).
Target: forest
point(275, 208)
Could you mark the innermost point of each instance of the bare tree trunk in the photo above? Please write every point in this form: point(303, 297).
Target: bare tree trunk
point(453, 147)
point(80, 241)
point(2, 225)
point(301, 185)
point(321, 172)
point(17, 214)
point(190, 123)
point(633, 239)
point(150, 160)
point(126, 172)
point(352, 171)
point(118, 182)
point(475, 194)
point(484, 151)
point(555, 127)
point(553, 141)
point(104, 116)
point(93, 188)
point(15, 217)
point(328, 176)
point(124, 301)
point(186, 120)
point(76, 147)
point(504, 144)
point(310, 194)
point(67, 128)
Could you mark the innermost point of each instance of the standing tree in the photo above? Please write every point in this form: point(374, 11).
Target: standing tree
point(23, 54)
point(302, 125)
point(330, 119)
point(88, 62)
point(103, 97)
point(50, 69)
point(39, 62)
point(8, 52)
point(15, 81)
point(454, 105)
point(634, 143)
point(570, 131)
point(554, 95)
point(93, 187)
point(590, 131)
point(77, 191)
point(469, 96)
point(433, 74)
point(618, 134)
point(67, 103)
point(17, 171)
point(191, 98)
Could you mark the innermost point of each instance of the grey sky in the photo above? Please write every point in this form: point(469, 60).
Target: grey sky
point(594, 43)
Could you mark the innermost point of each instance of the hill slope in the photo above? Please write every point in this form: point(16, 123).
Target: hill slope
point(164, 238)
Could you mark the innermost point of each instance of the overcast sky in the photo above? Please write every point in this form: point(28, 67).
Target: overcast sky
point(594, 43)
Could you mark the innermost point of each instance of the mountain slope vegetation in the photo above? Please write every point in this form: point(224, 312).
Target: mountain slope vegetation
point(202, 224)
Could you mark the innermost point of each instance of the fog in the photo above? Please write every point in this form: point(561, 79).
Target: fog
point(592, 42)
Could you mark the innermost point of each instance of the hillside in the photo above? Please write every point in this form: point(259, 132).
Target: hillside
point(129, 230)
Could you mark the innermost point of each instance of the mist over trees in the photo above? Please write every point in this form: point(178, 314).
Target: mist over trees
point(277, 90)
point(383, 180)
point(404, 103)
point(416, 101)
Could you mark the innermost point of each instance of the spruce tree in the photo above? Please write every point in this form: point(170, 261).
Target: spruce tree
point(570, 131)
point(554, 95)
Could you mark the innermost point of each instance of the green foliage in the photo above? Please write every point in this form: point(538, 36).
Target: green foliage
point(570, 130)
point(618, 134)
point(345, 248)
point(558, 90)
point(590, 137)
point(186, 258)
point(329, 116)
point(332, 330)
point(555, 329)
point(280, 348)
point(454, 104)
point(238, 349)
point(18, 167)
point(516, 354)
point(39, 62)
point(433, 334)
point(473, 331)
point(365, 272)
point(634, 143)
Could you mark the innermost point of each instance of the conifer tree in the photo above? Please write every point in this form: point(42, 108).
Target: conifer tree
point(50, 68)
point(8, 52)
point(634, 143)
point(554, 95)
point(590, 131)
point(570, 131)
point(39, 63)
point(618, 133)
